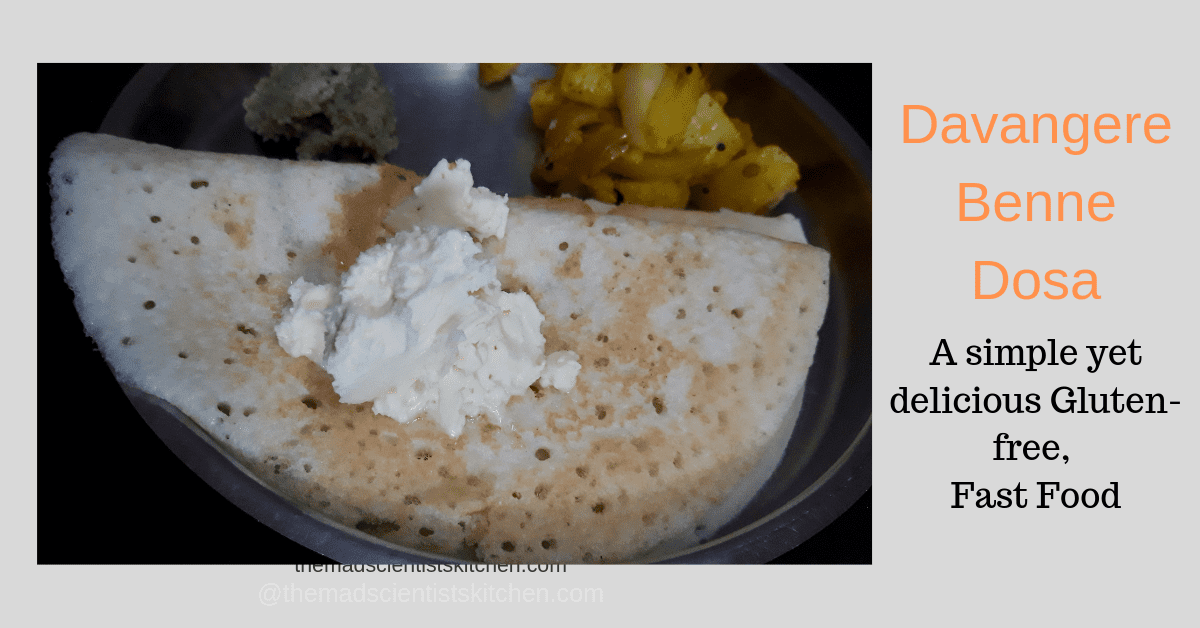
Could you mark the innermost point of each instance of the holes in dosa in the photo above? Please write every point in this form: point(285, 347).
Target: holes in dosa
point(377, 527)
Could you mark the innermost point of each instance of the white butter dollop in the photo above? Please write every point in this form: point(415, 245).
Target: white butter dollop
point(419, 324)
point(302, 332)
point(561, 369)
point(447, 198)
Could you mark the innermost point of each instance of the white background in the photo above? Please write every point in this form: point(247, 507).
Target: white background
point(932, 564)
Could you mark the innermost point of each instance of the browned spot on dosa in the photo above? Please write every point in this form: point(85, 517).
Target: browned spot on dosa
point(318, 382)
point(360, 223)
point(240, 232)
point(572, 267)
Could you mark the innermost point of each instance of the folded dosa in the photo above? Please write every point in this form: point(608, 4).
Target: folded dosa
point(695, 343)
